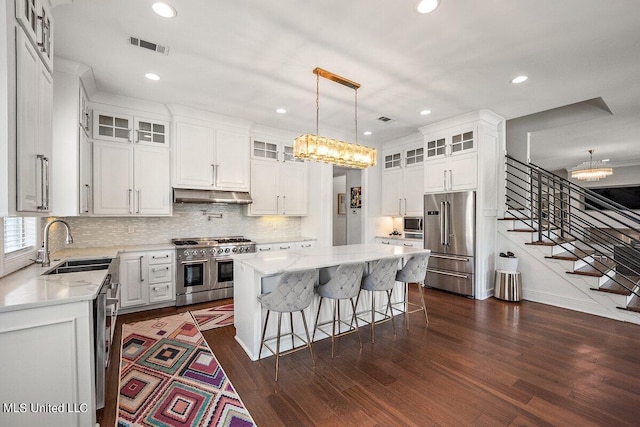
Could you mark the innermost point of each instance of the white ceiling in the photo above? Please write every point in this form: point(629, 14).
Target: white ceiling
point(245, 58)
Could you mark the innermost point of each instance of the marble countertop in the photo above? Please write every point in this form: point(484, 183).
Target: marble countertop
point(29, 287)
point(272, 240)
point(280, 261)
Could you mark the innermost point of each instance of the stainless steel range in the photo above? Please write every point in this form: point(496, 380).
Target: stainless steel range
point(204, 268)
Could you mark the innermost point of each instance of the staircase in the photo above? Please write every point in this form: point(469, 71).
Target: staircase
point(586, 260)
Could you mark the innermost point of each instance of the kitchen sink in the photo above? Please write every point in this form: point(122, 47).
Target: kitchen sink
point(77, 265)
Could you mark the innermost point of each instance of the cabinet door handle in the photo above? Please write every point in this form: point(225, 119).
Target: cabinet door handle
point(129, 201)
point(399, 206)
point(88, 188)
point(213, 174)
point(264, 249)
point(140, 262)
point(160, 269)
point(407, 244)
point(277, 204)
point(284, 205)
point(137, 131)
point(444, 179)
point(159, 257)
point(450, 180)
point(386, 243)
point(405, 207)
point(46, 162)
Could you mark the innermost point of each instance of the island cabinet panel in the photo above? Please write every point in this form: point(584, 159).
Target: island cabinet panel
point(48, 361)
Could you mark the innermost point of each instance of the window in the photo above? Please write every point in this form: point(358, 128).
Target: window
point(19, 243)
point(19, 235)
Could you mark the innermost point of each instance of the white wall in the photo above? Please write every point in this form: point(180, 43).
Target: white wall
point(339, 221)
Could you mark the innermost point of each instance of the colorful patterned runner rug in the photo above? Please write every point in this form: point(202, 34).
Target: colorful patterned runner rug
point(214, 317)
point(170, 377)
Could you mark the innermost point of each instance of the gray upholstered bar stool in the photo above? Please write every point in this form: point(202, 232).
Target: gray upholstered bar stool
point(293, 292)
point(414, 271)
point(381, 279)
point(345, 284)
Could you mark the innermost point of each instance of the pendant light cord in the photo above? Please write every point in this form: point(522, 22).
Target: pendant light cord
point(356, 102)
point(317, 104)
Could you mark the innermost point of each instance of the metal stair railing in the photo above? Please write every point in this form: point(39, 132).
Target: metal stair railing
point(555, 209)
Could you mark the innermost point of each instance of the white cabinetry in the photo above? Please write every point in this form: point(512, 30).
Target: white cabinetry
point(399, 242)
point(130, 180)
point(119, 127)
point(452, 160)
point(211, 158)
point(147, 278)
point(285, 246)
point(279, 181)
point(35, 18)
point(466, 153)
point(34, 92)
point(403, 180)
point(72, 178)
point(64, 375)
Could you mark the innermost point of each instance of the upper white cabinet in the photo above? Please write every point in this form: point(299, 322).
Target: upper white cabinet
point(452, 159)
point(36, 20)
point(34, 93)
point(403, 180)
point(211, 158)
point(279, 188)
point(120, 127)
point(130, 180)
point(278, 151)
point(72, 178)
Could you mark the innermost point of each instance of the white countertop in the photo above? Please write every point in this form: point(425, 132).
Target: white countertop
point(272, 240)
point(28, 288)
point(280, 261)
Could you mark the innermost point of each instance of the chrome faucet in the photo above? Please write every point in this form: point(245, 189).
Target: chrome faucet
point(43, 252)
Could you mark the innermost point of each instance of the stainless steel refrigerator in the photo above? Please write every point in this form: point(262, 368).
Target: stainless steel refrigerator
point(450, 233)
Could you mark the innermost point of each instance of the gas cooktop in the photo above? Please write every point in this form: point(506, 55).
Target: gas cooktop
point(211, 241)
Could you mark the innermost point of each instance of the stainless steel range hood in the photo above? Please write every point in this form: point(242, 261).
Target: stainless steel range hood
point(181, 195)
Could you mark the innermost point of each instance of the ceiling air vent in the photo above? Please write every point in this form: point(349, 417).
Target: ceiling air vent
point(385, 119)
point(149, 45)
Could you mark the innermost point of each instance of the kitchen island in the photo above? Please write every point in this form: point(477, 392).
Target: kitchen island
point(256, 273)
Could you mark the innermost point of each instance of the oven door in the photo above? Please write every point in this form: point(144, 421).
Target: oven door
point(223, 273)
point(192, 276)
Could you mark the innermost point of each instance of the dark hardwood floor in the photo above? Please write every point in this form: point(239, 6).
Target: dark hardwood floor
point(488, 362)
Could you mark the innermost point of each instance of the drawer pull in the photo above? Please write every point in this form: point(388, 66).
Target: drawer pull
point(160, 257)
point(160, 269)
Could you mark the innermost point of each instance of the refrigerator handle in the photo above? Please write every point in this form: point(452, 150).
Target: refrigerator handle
point(447, 223)
point(442, 224)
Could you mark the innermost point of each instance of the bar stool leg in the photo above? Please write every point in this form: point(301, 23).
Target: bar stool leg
point(354, 318)
point(333, 329)
point(306, 331)
point(424, 306)
point(373, 317)
point(293, 337)
point(406, 306)
point(315, 327)
point(389, 292)
point(278, 344)
point(264, 331)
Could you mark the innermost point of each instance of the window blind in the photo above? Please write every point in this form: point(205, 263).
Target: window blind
point(19, 234)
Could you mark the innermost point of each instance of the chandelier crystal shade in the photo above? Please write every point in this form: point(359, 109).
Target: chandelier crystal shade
point(328, 150)
point(591, 170)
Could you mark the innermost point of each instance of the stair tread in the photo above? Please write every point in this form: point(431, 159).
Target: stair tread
point(517, 219)
point(634, 304)
point(530, 230)
point(595, 270)
point(551, 242)
point(614, 287)
point(574, 255)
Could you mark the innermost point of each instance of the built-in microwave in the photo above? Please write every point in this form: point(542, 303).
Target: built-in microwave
point(413, 226)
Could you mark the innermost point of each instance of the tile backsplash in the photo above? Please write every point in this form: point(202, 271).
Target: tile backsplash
point(188, 220)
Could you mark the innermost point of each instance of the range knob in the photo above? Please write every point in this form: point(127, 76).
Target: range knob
point(186, 253)
point(203, 252)
point(226, 251)
point(213, 251)
point(235, 250)
point(220, 250)
point(194, 252)
point(241, 249)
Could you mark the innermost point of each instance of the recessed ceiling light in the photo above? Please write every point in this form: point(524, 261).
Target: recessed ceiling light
point(367, 132)
point(519, 79)
point(427, 6)
point(425, 112)
point(152, 76)
point(164, 9)
point(281, 111)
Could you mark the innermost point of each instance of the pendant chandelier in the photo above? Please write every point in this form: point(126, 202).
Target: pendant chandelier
point(591, 171)
point(320, 148)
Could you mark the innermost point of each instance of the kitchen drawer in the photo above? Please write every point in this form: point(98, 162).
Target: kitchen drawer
point(161, 292)
point(303, 245)
point(160, 257)
point(160, 273)
point(285, 246)
point(265, 248)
